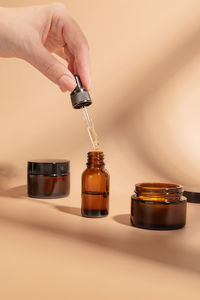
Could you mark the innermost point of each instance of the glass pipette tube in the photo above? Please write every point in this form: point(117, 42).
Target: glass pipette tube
point(90, 128)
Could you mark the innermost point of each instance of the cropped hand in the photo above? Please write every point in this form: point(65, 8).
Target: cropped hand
point(34, 33)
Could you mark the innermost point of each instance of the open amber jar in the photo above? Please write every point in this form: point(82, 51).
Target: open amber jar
point(48, 178)
point(158, 206)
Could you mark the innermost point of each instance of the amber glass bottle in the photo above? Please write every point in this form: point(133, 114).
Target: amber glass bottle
point(95, 187)
point(158, 206)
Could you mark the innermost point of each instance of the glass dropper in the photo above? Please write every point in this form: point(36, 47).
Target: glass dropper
point(80, 98)
point(91, 131)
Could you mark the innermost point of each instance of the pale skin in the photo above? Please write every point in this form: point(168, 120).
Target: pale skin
point(35, 33)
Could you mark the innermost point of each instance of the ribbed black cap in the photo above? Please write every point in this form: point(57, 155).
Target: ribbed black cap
point(49, 167)
point(192, 194)
point(80, 96)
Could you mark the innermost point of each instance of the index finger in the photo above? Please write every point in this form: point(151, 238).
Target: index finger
point(78, 46)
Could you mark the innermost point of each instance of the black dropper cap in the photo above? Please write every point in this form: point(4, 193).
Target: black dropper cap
point(80, 96)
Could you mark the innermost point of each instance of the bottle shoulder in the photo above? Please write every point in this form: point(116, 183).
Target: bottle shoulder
point(95, 171)
point(106, 172)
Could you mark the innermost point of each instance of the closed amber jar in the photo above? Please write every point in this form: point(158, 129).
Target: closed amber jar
point(158, 206)
point(48, 179)
point(95, 187)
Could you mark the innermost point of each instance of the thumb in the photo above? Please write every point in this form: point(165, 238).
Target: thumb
point(47, 64)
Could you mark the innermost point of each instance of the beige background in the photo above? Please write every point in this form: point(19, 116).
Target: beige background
point(146, 71)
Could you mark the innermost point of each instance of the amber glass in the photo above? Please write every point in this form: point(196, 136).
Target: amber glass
point(48, 178)
point(48, 186)
point(95, 187)
point(158, 206)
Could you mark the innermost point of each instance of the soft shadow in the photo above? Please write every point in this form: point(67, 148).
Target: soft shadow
point(122, 219)
point(144, 86)
point(69, 210)
point(17, 192)
point(164, 247)
point(7, 173)
point(20, 192)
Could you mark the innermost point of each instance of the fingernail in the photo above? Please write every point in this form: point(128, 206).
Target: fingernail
point(90, 84)
point(66, 83)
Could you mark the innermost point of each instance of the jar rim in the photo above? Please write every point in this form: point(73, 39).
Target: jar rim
point(157, 187)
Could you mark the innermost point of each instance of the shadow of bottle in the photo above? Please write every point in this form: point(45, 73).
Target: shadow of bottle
point(20, 192)
point(123, 219)
point(69, 210)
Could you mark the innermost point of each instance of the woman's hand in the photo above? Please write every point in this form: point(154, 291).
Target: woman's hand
point(33, 33)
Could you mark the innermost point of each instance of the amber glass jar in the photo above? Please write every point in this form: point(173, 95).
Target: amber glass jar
point(48, 179)
point(95, 187)
point(158, 206)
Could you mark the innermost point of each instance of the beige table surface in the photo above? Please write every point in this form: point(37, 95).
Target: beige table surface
point(48, 251)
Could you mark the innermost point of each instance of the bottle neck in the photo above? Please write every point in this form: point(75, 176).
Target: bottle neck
point(165, 192)
point(95, 159)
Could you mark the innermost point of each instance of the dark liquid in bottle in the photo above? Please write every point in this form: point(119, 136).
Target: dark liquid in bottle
point(95, 187)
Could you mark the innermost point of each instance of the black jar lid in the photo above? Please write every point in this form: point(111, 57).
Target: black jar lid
point(192, 194)
point(51, 167)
